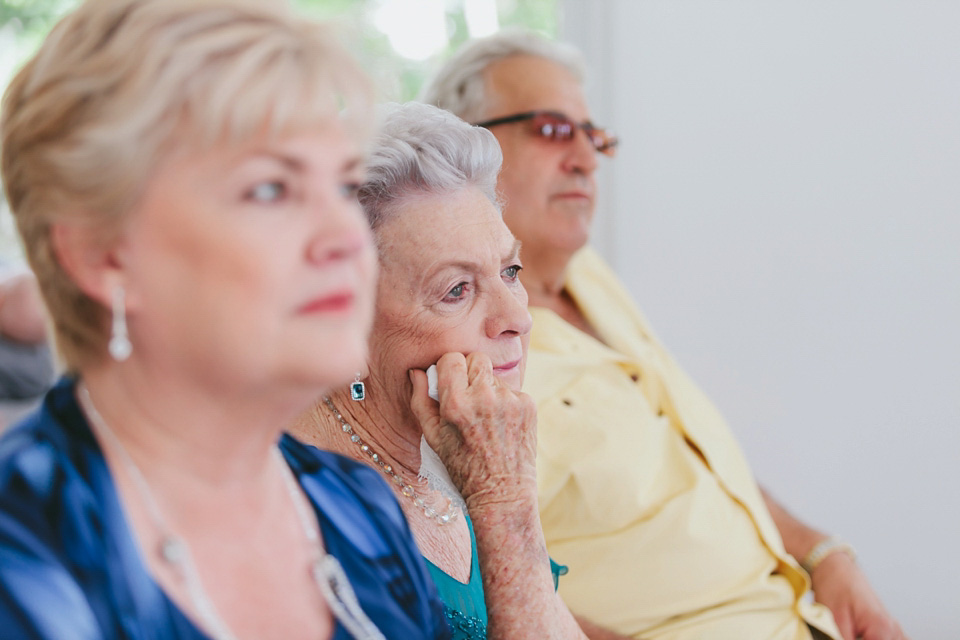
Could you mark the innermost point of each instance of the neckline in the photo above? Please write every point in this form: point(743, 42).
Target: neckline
point(145, 597)
point(474, 561)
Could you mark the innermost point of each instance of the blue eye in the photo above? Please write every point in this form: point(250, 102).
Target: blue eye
point(511, 272)
point(267, 192)
point(456, 293)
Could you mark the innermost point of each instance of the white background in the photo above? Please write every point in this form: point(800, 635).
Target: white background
point(786, 209)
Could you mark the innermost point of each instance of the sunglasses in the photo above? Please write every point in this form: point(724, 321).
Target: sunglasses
point(554, 126)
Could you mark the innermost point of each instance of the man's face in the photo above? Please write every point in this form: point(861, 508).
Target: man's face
point(548, 186)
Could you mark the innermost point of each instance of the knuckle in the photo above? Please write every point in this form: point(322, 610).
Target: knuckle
point(479, 358)
point(528, 404)
point(458, 409)
point(450, 359)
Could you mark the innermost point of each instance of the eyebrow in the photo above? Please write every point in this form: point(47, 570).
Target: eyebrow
point(296, 164)
point(466, 265)
point(353, 163)
point(286, 160)
point(514, 251)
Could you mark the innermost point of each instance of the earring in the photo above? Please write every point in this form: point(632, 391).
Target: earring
point(119, 347)
point(357, 389)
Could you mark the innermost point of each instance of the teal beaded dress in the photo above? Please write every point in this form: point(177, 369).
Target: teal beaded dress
point(463, 604)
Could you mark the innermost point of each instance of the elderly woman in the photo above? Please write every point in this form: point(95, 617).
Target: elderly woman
point(183, 174)
point(449, 294)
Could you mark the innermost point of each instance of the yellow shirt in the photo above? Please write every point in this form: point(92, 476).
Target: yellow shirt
point(644, 492)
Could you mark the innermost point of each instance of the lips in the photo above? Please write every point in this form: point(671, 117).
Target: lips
point(575, 189)
point(507, 366)
point(338, 302)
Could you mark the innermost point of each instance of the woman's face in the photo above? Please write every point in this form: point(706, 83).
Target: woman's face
point(448, 282)
point(253, 265)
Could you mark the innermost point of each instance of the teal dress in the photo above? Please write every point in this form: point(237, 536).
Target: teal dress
point(463, 604)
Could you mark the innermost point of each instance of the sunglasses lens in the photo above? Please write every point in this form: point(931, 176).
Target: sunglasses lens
point(605, 142)
point(557, 128)
point(554, 128)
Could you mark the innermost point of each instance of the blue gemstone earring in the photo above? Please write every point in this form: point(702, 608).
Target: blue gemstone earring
point(357, 390)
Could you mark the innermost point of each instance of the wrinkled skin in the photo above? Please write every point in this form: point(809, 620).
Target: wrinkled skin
point(484, 432)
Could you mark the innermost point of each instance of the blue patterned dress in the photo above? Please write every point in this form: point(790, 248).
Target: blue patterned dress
point(70, 566)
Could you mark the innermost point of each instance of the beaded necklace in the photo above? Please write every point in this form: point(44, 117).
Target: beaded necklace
point(441, 518)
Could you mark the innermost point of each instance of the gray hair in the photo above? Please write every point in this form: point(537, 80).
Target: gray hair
point(422, 150)
point(459, 84)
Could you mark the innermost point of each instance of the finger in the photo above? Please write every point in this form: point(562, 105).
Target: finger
point(882, 627)
point(451, 374)
point(479, 369)
point(529, 407)
point(422, 405)
point(875, 633)
point(845, 625)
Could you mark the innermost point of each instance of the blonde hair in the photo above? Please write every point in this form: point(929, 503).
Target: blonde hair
point(120, 84)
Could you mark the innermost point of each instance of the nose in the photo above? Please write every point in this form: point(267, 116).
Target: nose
point(508, 314)
point(341, 233)
point(582, 155)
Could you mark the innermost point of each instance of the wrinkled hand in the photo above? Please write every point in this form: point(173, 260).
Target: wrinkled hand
point(839, 584)
point(484, 433)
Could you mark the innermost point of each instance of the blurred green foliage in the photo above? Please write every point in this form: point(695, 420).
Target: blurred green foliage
point(24, 23)
point(399, 78)
point(41, 12)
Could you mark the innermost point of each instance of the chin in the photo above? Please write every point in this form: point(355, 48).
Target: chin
point(334, 363)
point(572, 240)
point(512, 378)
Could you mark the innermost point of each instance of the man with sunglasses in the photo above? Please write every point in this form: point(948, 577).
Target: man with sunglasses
point(643, 490)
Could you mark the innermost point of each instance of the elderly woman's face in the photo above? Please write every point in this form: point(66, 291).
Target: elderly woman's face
point(448, 282)
point(254, 264)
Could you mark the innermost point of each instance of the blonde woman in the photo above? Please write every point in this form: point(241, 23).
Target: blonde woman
point(183, 175)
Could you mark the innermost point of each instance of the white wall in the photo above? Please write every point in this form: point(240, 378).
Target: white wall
point(786, 208)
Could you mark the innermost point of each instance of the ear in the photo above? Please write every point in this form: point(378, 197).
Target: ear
point(94, 266)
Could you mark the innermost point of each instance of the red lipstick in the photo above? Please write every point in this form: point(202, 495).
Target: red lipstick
point(333, 303)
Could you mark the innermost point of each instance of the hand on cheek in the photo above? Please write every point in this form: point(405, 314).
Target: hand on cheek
point(484, 433)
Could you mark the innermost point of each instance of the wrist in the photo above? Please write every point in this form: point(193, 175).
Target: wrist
point(502, 497)
point(824, 549)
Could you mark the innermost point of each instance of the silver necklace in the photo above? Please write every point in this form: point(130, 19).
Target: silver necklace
point(325, 569)
point(441, 518)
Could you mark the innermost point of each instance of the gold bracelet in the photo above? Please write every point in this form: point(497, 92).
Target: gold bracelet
point(823, 549)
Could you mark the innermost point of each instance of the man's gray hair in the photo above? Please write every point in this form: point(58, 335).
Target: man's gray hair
point(422, 150)
point(459, 84)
